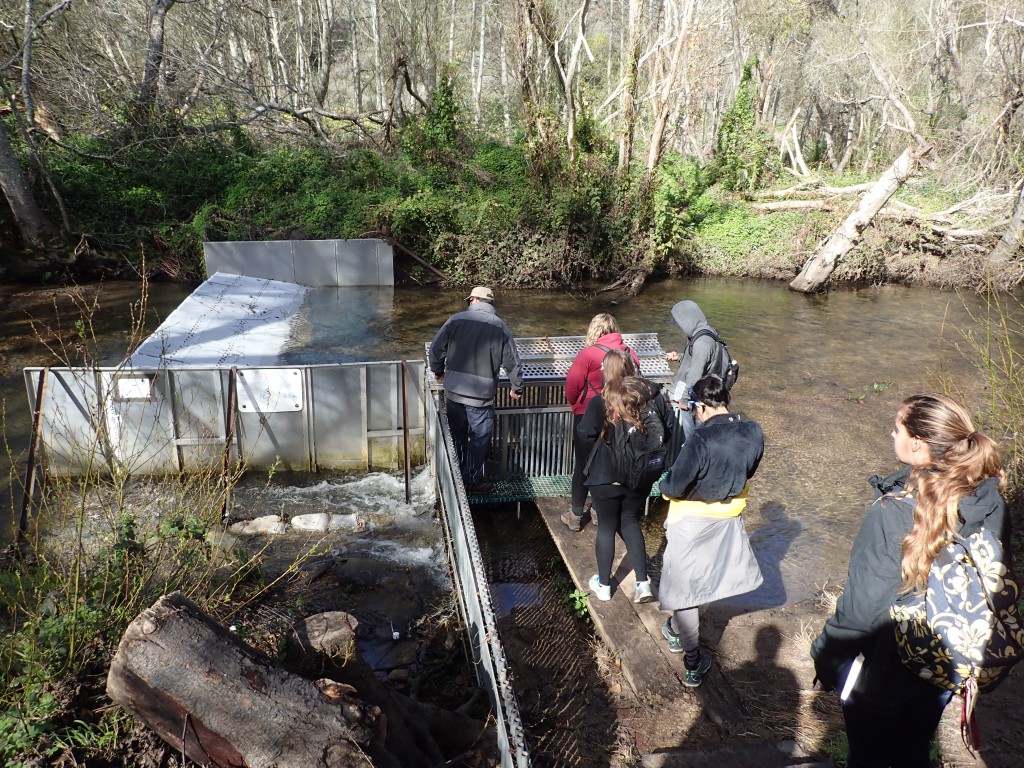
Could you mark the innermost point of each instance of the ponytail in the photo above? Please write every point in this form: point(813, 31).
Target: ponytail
point(960, 459)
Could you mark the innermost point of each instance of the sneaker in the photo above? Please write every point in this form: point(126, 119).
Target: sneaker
point(675, 643)
point(601, 592)
point(692, 678)
point(481, 489)
point(642, 592)
point(572, 521)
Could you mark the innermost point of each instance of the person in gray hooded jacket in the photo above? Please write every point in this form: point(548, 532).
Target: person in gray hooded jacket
point(951, 485)
point(703, 355)
point(466, 356)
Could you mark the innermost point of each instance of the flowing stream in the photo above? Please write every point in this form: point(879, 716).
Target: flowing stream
point(823, 375)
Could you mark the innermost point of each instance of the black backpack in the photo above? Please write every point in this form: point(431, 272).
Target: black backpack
point(728, 368)
point(640, 455)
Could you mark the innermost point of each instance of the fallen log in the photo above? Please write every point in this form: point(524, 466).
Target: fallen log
point(223, 704)
point(817, 270)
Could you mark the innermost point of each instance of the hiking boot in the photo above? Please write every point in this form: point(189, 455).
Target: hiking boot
point(692, 678)
point(601, 592)
point(675, 642)
point(572, 521)
point(642, 592)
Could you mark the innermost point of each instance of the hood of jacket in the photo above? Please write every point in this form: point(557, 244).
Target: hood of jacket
point(612, 340)
point(689, 318)
point(975, 508)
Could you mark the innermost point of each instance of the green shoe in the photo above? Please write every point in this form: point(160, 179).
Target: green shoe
point(692, 678)
point(675, 643)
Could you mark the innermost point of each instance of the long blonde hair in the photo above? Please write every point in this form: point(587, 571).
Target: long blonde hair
point(622, 401)
point(960, 459)
point(602, 324)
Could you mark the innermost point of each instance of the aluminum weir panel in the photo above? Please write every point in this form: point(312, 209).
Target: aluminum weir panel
point(228, 320)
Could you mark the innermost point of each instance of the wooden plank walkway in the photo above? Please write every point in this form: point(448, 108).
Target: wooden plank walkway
point(633, 632)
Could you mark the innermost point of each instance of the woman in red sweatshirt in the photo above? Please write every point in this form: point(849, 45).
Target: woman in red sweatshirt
point(582, 383)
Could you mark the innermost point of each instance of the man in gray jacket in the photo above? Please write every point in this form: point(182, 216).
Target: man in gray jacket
point(466, 356)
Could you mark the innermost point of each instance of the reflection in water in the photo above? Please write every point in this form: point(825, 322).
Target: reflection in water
point(823, 375)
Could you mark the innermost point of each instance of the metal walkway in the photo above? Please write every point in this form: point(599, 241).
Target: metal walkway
point(530, 458)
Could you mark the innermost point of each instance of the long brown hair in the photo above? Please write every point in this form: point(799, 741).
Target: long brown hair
point(960, 459)
point(622, 400)
point(602, 324)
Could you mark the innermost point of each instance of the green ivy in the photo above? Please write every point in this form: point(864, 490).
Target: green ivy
point(744, 149)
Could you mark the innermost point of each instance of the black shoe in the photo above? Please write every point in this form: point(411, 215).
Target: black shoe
point(481, 489)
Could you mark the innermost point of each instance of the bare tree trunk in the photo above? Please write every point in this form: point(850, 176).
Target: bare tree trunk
point(451, 34)
point(154, 58)
point(628, 107)
point(34, 226)
point(378, 74)
point(357, 78)
point(817, 270)
point(663, 100)
point(506, 110)
point(325, 51)
point(479, 86)
point(1009, 245)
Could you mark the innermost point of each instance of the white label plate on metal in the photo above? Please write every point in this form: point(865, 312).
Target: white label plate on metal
point(269, 390)
point(134, 388)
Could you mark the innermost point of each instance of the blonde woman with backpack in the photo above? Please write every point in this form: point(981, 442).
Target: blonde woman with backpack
point(951, 485)
point(624, 403)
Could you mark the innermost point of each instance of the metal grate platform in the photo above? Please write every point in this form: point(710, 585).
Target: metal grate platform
point(517, 489)
point(548, 358)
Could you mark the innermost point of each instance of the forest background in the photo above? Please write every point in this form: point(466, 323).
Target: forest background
point(538, 143)
point(603, 139)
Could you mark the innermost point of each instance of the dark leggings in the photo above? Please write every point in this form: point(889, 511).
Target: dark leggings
point(899, 736)
point(579, 459)
point(618, 510)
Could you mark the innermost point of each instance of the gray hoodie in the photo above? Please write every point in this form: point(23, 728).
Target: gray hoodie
point(707, 355)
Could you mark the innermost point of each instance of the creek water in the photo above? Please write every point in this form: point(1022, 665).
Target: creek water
point(824, 375)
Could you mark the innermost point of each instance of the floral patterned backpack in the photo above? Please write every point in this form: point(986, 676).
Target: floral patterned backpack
point(964, 634)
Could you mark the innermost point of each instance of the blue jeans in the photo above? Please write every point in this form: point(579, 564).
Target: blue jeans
point(471, 428)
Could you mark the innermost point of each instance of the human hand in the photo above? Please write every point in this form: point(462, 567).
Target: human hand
point(825, 675)
point(515, 395)
point(672, 357)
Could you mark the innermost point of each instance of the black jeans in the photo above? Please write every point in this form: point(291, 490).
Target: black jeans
point(579, 459)
point(618, 510)
point(898, 736)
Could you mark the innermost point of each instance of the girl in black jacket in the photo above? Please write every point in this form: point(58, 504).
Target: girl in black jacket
point(618, 507)
point(952, 485)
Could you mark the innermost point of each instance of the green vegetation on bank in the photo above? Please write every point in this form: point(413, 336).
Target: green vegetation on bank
point(514, 213)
